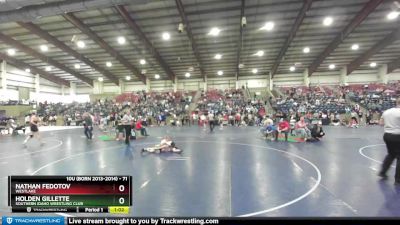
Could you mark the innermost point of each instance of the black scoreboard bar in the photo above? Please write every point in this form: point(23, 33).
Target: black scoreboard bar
point(89, 194)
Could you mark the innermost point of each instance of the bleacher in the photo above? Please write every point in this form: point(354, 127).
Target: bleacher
point(313, 99)
point(373, 96)
point(218, 100)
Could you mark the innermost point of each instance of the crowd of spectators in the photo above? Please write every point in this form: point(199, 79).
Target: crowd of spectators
point(17, 102)
point(151, 108)
point(228, 107)
point(375, 98)
point(313, 105)
point(147, 106)
point(316, 104)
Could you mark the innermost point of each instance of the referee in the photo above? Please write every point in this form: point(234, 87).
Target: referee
point(391, 121)
point(126, 123)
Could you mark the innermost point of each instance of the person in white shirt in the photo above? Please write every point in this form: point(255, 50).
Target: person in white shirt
point(391, 122)
point(195, 118)
point(27, 119)
point(357, 107)
point(50, 120)
point(231, 120)
point(203, 120)
point(126, 122)
point(211, 121)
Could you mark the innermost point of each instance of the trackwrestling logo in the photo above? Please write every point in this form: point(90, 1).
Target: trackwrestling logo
point(10, 220)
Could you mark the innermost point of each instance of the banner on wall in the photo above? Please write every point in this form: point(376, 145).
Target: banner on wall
point(8, 94)
point(56, 98)
point(23, 93)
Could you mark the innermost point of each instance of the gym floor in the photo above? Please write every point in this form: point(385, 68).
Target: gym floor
point(230, 172)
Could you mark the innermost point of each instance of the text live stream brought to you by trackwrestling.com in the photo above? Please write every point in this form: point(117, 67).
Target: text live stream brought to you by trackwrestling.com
point(59, 220)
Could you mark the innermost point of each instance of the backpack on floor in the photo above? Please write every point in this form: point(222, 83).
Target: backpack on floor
point(133, 134)
point(121, 136)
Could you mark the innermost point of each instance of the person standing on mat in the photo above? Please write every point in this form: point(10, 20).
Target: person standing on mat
point(34, 125)
point(211, 121)
point(126, 123)
point(391, 122)
point(88, 125)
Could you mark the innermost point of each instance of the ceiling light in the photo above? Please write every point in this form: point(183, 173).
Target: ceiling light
point(328, 21)
point(108, 64)
point(259, 53)
point(157, 76)
point(100, 79)
point(142, 61)
point(77, 66)
point(48, 68)
point(214, 31)
point(187, 74)
point(180, 27)
point(254, 71)
point(332, 66)
point(392, 15)
point(44, 48)
point(220, 73)
point(355, 47)
point(191, 69)
point(80, 44)
point(306, 50)
point(218, 56)
point(128, 77)
point(268, 26)
point(121, 40)
point(166, 36)
point(373, 64)
point(27, 70)
point(144, 71)
point(292, 68)
point(11, 51)
point(241, 65)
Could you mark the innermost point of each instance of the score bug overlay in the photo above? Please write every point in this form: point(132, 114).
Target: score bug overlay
point(94, 194)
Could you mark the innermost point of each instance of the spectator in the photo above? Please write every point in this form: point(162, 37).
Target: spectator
point(88, 125)
point(353, 123)
point(283, 127)
point(139, 126)
point(317, 132)
point(302, 129)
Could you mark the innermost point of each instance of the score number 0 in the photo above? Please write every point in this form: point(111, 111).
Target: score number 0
point(121, 200)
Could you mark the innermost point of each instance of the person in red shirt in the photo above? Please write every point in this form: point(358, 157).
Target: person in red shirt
point(283, 127)
point(140, 127)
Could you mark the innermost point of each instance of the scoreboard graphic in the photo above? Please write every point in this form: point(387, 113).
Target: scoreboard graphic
point(86, 194)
